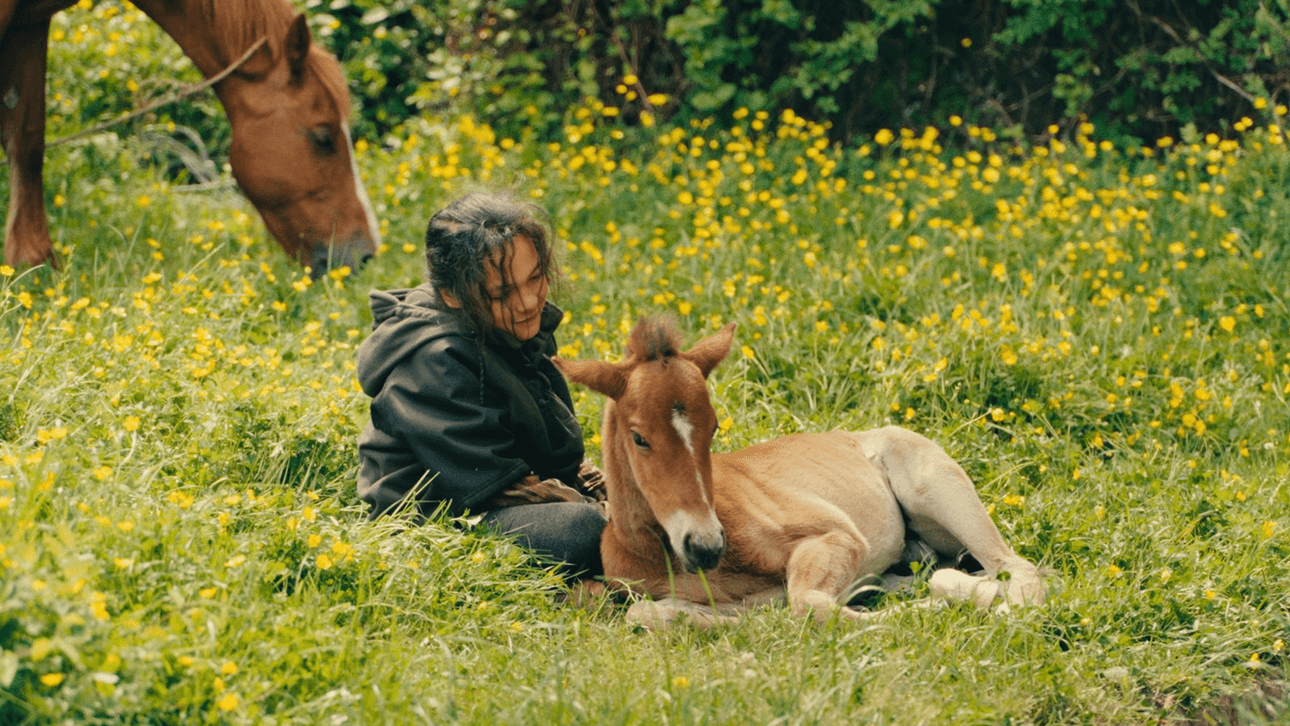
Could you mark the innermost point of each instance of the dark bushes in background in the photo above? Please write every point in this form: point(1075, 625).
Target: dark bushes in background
point(1141, 68)
point(1135, 68)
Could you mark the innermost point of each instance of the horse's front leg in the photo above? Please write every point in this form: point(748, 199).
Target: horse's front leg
point(944, 510)
point(23, 58)
point(819, 570)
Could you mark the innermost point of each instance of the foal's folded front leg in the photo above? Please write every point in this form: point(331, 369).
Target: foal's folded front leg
point(820, 568)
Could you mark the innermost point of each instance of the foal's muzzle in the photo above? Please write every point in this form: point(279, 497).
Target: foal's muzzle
point(702, 551)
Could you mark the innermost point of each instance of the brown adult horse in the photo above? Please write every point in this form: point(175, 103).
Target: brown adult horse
point(805, 515)
point(287, 104)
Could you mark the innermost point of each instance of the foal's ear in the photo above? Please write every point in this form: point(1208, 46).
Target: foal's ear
point(604, 378)
point(297, 47)
point(710, 351)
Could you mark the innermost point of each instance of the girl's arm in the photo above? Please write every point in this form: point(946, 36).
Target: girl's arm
point(433, 403)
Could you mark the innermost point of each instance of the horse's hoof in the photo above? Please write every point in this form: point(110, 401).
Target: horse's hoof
point(28, 259)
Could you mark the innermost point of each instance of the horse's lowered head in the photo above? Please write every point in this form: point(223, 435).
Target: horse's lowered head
point(291, 154)
point(657, 432)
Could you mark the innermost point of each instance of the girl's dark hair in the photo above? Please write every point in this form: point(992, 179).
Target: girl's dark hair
point(466, 235)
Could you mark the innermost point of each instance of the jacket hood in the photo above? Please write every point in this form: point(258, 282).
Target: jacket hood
point(402, 322)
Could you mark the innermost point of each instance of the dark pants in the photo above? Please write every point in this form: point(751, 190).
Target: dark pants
point(568, 532)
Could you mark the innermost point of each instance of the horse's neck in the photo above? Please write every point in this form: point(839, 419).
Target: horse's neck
point(214, 36)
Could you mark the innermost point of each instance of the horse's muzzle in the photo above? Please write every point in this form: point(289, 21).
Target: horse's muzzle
point(703, 551)
point(324, 259)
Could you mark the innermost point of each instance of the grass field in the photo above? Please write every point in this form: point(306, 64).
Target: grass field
point(1098, 333)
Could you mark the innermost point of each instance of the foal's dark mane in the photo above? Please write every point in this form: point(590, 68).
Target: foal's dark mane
point(655, 338)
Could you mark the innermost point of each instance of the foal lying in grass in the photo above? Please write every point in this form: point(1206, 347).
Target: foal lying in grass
point(805, 515)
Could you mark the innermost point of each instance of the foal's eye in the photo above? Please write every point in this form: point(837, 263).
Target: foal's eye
point(322, 139)
point(639, 440)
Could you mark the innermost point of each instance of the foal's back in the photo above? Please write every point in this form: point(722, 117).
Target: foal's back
point(779, 491)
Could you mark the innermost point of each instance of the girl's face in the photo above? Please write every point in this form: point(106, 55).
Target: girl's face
point(516, 294)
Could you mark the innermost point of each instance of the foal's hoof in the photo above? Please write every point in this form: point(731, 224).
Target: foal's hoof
point(855, 615)
point(584, 594)
point(955, 585)
point(826, 613)
point(663, 614)
point(1023, 590)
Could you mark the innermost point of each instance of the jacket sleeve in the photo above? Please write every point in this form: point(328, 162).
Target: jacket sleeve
point(434, 402)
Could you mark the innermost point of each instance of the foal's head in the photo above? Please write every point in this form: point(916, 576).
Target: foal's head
point(658, 431)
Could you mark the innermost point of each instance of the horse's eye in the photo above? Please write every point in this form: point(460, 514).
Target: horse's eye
point(322, 139)
point(639, 440)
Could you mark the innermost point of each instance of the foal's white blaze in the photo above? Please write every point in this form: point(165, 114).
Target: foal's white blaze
point(360, 190)
point(685, 429)
point(680, 525)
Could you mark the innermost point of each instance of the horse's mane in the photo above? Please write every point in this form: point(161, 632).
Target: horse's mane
point(332, 79)
point(654, 338)
point(239, 23)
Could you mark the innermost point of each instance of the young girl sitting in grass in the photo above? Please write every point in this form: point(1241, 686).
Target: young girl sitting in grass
point(467, 409)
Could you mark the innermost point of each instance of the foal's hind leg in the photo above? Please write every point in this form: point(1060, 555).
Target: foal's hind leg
point(944, 510)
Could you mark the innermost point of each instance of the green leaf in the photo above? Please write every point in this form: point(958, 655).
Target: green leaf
point(8, 667)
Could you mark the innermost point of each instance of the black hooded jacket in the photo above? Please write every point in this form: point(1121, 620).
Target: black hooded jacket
point(455, 419)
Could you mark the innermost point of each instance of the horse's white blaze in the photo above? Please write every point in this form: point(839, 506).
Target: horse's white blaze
point(361, 191)
point(683, 524)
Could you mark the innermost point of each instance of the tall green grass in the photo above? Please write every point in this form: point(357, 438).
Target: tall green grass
point(1098, 334)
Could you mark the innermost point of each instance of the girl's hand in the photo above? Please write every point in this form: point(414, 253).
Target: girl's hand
point(532, 490)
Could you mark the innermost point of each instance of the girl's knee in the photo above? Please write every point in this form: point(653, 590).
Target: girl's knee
point(590, 516)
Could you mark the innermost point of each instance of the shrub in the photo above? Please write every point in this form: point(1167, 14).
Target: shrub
point(1141, 69)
